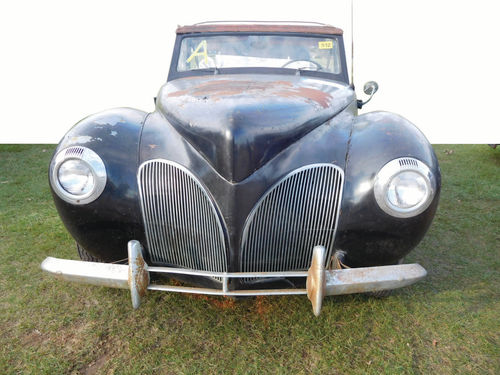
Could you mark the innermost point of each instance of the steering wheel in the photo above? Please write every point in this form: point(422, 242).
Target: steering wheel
point(318, 66)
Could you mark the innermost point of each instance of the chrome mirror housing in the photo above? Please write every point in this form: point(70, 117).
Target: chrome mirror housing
point(370, 88)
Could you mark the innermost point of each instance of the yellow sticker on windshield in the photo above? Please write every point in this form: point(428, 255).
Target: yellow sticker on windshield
point(327, 44)
point(202, 45)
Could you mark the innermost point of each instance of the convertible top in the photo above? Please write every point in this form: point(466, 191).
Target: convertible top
point(287, 27)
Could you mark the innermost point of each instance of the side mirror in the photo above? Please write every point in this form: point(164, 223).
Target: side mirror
point(370, 88)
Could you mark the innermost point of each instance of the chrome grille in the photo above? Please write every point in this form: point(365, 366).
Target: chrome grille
point(297, 213)
point(182, 226)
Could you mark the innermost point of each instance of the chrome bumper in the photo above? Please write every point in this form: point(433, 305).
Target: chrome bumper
point(320, 282)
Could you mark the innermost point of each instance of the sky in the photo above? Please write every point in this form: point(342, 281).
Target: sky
point(436, 62)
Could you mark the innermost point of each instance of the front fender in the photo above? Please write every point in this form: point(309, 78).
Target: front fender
point(103, 227)
point(368, 235)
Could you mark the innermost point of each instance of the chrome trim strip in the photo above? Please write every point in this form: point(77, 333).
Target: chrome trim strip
point(182, 224)
point(217, 292)
point(233, 275)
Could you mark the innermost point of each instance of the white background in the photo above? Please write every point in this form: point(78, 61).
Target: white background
point(436, 61)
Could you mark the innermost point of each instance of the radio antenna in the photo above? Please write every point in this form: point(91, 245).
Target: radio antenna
point(352, 44)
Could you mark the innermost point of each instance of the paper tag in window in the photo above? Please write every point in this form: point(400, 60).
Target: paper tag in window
point(327, 44)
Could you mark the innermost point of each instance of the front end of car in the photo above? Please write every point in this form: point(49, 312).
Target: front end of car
point(245, 184)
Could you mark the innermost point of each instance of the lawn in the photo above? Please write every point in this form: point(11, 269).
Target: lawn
point(448, 323)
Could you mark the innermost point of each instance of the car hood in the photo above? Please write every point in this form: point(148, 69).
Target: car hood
point(240, 122)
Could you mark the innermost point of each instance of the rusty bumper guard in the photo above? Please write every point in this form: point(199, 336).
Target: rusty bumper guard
point(320, 281)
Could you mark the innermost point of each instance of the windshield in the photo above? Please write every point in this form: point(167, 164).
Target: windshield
point(259, 51)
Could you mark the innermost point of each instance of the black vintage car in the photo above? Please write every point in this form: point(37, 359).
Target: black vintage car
point(253, 176)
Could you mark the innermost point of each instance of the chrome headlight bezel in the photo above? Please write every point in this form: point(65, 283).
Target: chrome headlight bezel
point(92, 161)
point(391, 170)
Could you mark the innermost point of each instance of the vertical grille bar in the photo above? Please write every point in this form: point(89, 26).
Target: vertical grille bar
point(296, 214)
point(182, 226)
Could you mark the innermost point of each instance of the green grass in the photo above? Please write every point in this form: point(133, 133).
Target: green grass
point(449, 323)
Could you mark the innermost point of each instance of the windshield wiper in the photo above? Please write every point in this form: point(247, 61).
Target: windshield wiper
point(214, 70)
point(305, 69)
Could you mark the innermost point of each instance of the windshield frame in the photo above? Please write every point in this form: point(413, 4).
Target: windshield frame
point(175, 74)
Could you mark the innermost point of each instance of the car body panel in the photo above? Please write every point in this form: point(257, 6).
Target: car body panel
point(104, 227)
point(369, 235)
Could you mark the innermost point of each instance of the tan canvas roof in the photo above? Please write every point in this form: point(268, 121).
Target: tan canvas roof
point(292, 27)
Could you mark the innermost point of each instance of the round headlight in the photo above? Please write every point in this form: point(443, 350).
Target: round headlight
point(404, 187)
point(407, 189)
point(77, 175)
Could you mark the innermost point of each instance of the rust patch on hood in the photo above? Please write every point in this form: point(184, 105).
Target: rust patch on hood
point(226, 87)
point(218, 89)
point(320, 97)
